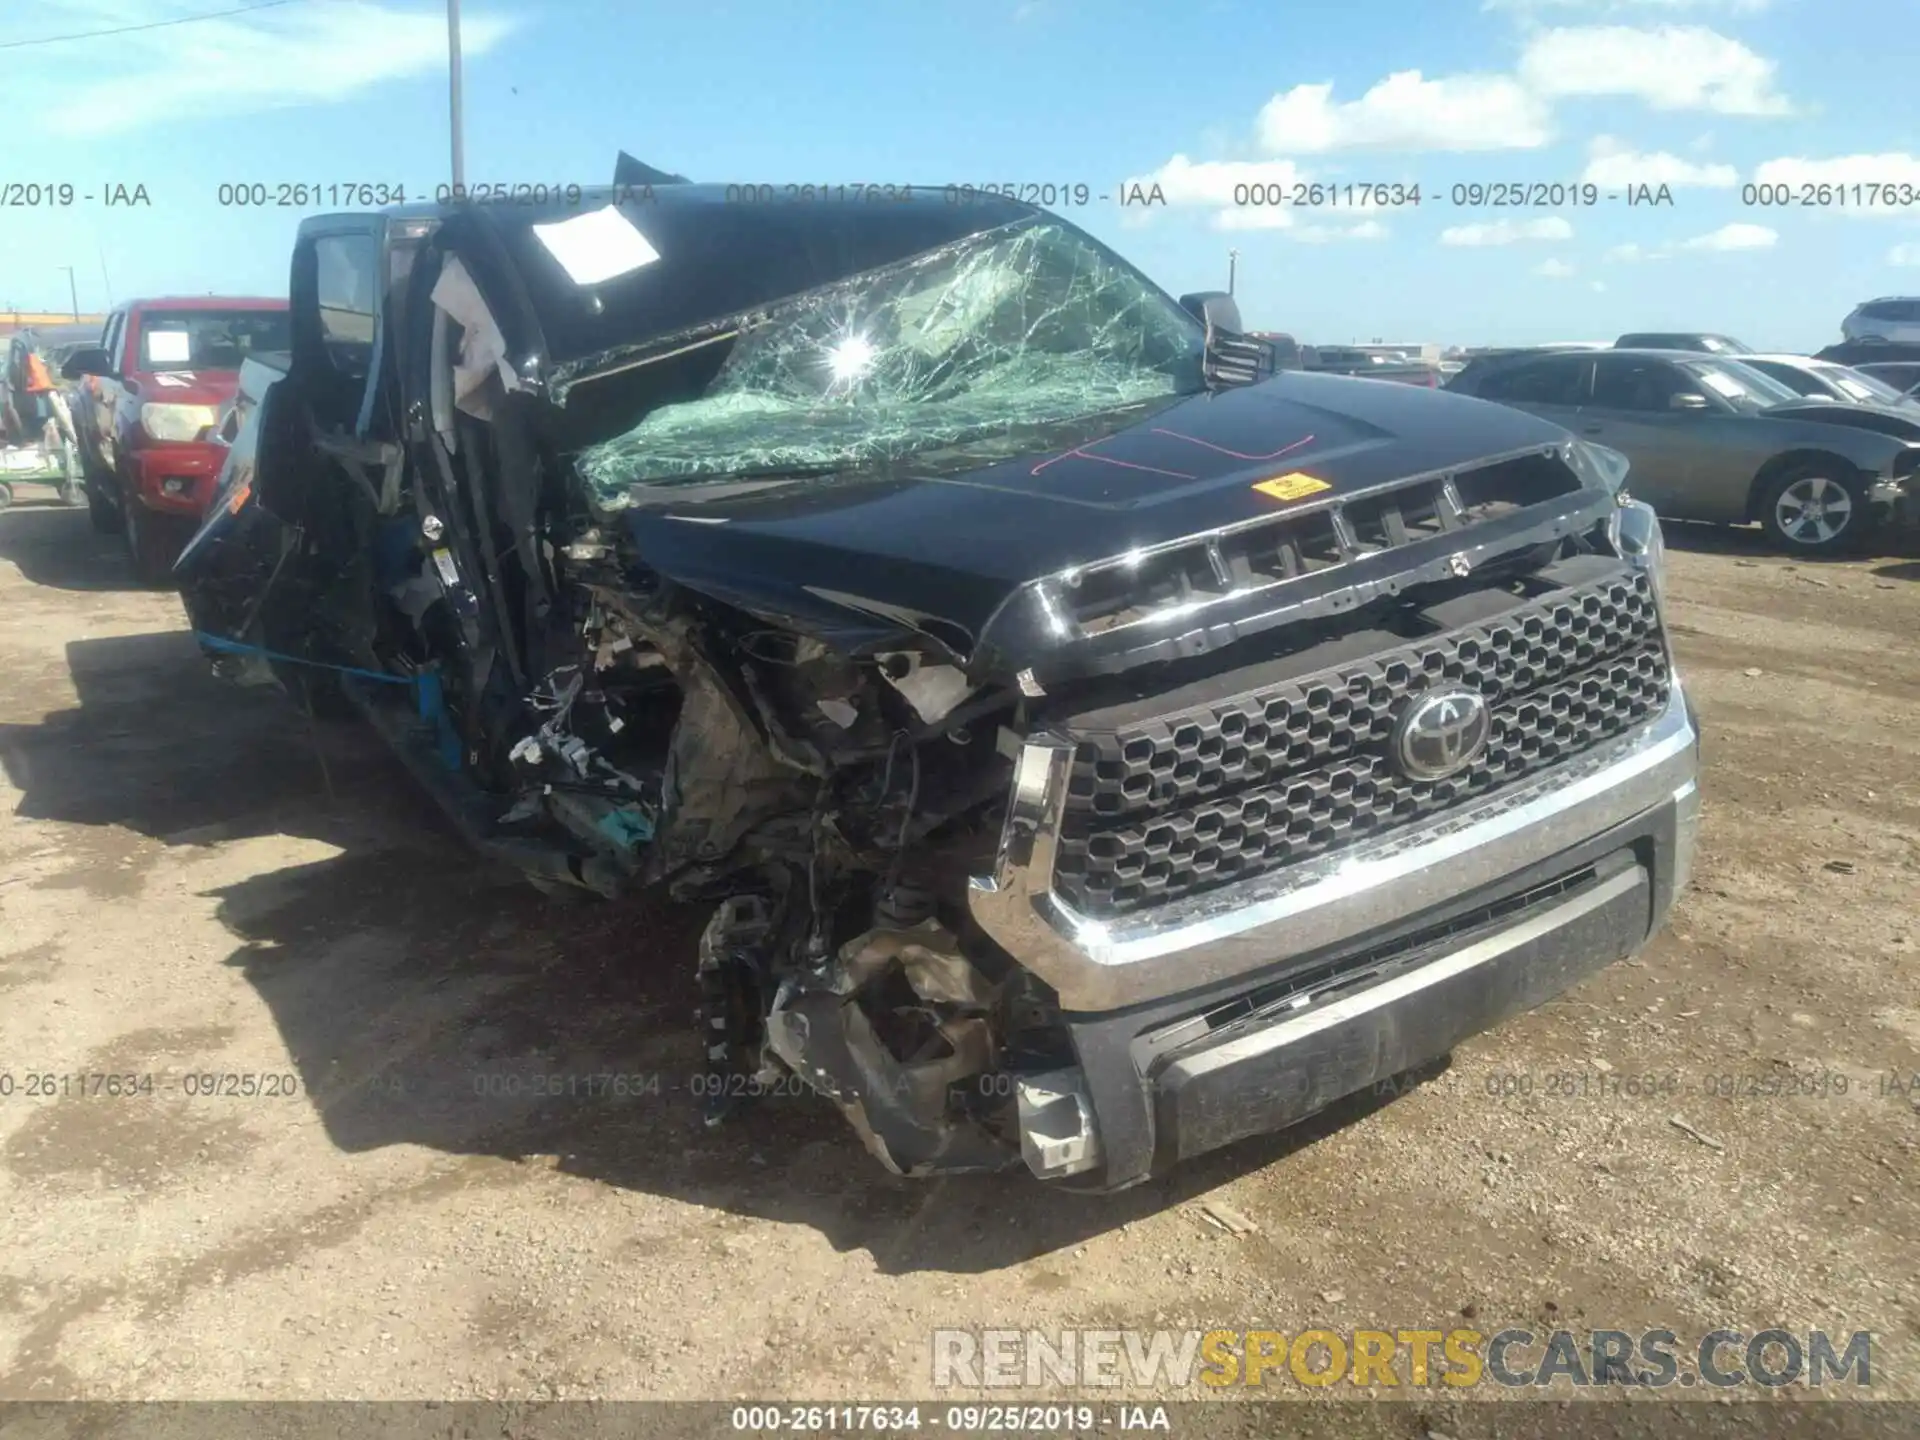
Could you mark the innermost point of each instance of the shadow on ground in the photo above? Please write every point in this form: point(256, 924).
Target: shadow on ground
point(425, 1001)
point(1751, 541)
point(56, 545)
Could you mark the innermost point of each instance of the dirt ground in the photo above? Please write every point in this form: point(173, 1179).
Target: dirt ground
point(195, 882)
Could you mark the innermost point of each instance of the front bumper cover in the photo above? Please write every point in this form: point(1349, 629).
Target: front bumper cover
point(1163, 1082)
point(1385, 956)
point(195, 465)
point(1096, 965)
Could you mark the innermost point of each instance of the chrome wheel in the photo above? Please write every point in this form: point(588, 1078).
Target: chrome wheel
point(1813, 510)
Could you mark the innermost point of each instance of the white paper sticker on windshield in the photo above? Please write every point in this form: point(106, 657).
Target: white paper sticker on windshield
point(168, 347)
point(596, 246)
point(1725, 384)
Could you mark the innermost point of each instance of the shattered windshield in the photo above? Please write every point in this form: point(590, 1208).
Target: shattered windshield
point(1026, 325)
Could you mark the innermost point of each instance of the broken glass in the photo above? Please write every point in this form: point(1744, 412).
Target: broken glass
point(1026, 325)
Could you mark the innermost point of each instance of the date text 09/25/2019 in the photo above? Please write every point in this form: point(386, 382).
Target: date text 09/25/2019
point(126, 1085)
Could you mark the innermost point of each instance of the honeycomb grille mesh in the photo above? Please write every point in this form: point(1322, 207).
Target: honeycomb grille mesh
point(1179, 804)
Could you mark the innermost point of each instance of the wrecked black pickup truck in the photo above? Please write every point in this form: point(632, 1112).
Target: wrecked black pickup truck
point(1093, 747)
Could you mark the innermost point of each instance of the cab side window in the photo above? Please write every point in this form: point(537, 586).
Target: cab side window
point(1791, 376)
point(334, 321)
point(1557, 380)
point(348, 269)
point(1637, 385)
point(110, 339)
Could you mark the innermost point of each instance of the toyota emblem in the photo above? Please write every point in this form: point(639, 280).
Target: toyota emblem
point(1441, 733)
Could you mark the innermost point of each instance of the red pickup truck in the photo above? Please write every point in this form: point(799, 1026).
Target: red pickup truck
point(145, 412)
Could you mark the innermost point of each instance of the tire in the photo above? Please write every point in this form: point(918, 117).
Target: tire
point(6, 495)
point(104, 514)
point(1814, 508)
point(154, 542)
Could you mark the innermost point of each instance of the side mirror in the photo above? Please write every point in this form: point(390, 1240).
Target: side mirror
point(1687, 400)
point(1213, 308)
point(88, 360)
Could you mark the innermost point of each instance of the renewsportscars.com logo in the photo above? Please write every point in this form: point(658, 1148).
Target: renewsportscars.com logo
point(1515, 1357)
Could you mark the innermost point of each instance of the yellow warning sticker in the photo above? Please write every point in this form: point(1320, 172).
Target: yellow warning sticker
point(1292, 486)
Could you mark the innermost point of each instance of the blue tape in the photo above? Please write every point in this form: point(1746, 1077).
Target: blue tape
point(239, 647)
point(628, 827)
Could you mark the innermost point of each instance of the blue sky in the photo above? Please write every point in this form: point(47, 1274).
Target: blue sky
point(1203, 95)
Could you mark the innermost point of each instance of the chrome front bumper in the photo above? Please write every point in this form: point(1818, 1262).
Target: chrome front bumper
point(1265, 920)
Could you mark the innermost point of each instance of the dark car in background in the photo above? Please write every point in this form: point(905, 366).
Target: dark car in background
point(1286, 349)
point(1681, 340)
point(1870, 352)
point(1369, 365)
point(1713, 439)
point(148, 399)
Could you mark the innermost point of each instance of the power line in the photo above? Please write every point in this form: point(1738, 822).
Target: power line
point(150, 25)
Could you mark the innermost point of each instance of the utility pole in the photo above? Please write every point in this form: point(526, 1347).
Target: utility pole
point(73, 290)
point(453, 93)
point(1233, 264)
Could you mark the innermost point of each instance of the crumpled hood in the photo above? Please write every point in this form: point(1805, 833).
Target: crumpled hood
point(854, 560)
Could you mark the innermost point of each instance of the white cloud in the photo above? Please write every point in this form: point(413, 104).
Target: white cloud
point(1673, 67)
point(1254, 195)
point(268, 60)
point(1408, 112)
point(1905, 254)
point(1597, 286)
point(1254, 217)
point(1216, 182)
point(1318, 234)
point(1857, 185)
point(1553, 270)
point(1613, 165)
point(1630, 252)
point(1507, 232)
point(1738, 236)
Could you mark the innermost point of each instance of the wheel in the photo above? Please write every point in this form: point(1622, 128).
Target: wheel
point(6, 495)
point(154, 542)
point(101, 510)
point(1814, 507)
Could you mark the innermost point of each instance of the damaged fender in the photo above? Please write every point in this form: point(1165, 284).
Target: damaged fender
point(901, 1105)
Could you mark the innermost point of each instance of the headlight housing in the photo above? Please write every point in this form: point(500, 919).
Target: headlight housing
point(1601, 465)
point(177, 422)
point(1634, 530)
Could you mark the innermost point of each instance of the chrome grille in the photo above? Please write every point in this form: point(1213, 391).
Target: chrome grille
point(1182, 802)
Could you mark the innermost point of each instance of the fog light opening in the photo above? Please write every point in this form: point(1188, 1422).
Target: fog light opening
point(1056, 1125)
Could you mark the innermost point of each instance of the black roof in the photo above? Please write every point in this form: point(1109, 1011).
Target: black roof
point(722, 249)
